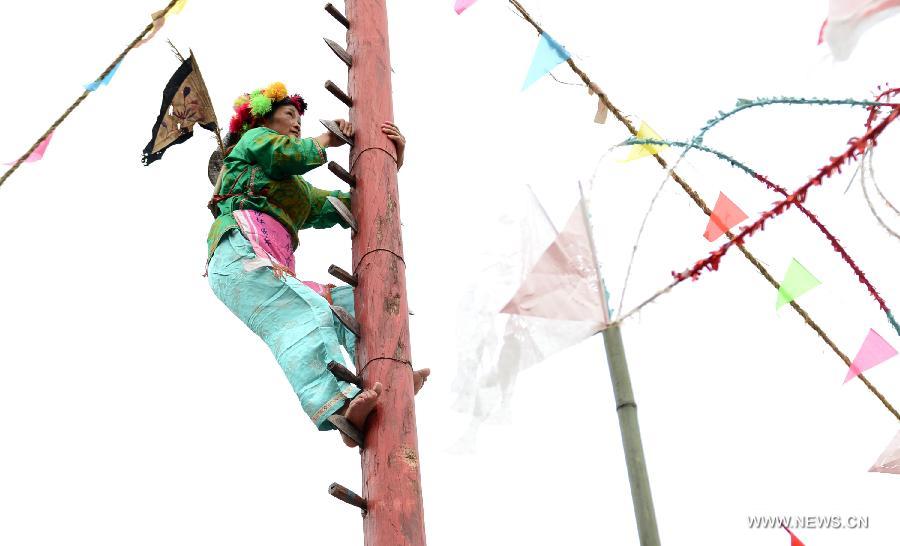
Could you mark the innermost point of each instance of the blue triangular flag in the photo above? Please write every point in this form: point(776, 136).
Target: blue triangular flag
point(105, 81)
point(549, 54)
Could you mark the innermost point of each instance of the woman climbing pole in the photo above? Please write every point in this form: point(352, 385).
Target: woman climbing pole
point(260, 202)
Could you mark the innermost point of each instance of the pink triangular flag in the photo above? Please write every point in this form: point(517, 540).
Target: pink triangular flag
point(889, 461)
point(725, 215)
point(38, 152)
point(873, 352)
point(564, 283)
point(462, 5)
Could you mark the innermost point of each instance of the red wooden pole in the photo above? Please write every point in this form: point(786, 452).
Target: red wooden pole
point(390, 460)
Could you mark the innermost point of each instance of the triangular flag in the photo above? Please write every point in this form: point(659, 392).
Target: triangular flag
point(564, 283)
point(38, 152)
point(725, 215)
point(889, 461)
point(849, 19)
point(158, 19)
point(179, 5)
point(548, 56)
point(105, 81)
point(797, 281)
point(873, 352)
point(794, 540)
point(462, 5)
point(185, 102)
point(643, 150)
point(602, 110)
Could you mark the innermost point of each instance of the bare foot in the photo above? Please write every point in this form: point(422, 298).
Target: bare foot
point(419, 377)
point(359, 409)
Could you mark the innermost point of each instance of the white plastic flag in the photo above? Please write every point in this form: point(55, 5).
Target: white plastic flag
point(548, 286)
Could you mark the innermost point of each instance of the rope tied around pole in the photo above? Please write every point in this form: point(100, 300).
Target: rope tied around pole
point(355, 159)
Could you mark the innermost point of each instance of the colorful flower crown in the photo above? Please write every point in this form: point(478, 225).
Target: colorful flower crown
point(251, 108)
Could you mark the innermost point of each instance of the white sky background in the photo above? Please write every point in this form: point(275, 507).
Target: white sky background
point(135, 409)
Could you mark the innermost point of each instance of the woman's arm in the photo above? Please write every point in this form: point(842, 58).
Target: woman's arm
point(322, 213)
point(282, 156)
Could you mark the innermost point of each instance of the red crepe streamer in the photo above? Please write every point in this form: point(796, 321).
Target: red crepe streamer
point(832, 239)
point(857, 146)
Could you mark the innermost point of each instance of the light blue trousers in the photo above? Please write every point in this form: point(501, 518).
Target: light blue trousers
point(295, 322)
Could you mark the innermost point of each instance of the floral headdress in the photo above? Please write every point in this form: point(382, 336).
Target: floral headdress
point(250, 108)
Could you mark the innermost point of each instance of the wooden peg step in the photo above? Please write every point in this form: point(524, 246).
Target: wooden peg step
point(342, 373)
point(346, 319)
point(340, 52)
point(334, 129)
point(342, 173)
point(342, 275)
point(344, 212)
point(336, 13)
point(342, 424)
point(339, 93)
point(340, 492)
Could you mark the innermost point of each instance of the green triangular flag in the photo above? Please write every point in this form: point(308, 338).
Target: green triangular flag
point(797, 281)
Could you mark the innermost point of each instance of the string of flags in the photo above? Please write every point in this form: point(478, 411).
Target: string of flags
point(797, 281)
point(38, 152)
point(158, 19)
point(94, 85)
point(539, 297)
point(833, 241)
point(548, 55)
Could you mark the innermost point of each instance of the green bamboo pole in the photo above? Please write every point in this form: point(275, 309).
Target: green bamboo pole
point(626, 409)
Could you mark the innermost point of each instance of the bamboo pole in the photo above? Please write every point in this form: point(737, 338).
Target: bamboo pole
point(626, 410)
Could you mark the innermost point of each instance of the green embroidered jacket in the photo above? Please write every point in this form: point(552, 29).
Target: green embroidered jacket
point(262, 173)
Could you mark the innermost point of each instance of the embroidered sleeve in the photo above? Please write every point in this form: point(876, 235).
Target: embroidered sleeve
point(281, 156)
point(322, 213)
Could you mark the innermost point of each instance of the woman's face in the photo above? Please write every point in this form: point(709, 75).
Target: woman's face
point(285, 120)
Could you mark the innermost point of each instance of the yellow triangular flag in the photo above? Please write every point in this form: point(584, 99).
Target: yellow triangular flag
point(178, 6)
point(643, 150)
